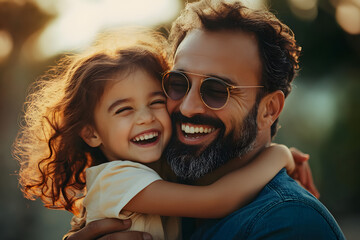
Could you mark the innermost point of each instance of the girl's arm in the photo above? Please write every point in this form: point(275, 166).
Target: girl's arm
point(218, 199)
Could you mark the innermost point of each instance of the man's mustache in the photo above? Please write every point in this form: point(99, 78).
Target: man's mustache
point(197, 119)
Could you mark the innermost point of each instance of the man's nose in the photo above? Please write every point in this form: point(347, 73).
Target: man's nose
point(192, 103)
point(145, 116)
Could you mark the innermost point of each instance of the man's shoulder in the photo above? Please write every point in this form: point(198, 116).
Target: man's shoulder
point(282, 210)
point(283, 189)
point(281, 192)
point(283, 205)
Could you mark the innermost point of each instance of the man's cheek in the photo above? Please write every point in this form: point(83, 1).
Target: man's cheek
point(230, 128)
point(171, 105)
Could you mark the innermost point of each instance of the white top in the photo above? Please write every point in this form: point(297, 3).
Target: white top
point(111, 185)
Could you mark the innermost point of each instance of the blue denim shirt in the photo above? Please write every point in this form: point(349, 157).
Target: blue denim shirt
point(282, 210)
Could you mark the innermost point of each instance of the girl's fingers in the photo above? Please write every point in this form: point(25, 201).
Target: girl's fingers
point(299, 156)
point(131, 235)
point(99, 228)
point(311, 185)
point(303, 173)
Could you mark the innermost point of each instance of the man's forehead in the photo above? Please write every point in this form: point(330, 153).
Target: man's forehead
point(231, 39)
point(231, 53)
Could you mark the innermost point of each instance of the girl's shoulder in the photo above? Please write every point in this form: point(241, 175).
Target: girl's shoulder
point(120, 169)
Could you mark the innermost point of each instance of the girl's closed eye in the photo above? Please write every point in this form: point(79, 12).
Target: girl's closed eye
point(158, 101)
point(124, 110)
point(161, 102)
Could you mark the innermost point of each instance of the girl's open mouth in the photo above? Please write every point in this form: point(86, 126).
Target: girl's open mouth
point(146, 138)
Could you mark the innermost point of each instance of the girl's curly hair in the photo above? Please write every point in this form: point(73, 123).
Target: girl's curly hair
point(52, 155)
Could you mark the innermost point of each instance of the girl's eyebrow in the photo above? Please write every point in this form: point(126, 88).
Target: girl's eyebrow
point(157, 93)
point(118, 102)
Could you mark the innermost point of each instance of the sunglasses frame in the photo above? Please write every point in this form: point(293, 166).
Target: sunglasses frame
point(205, 78)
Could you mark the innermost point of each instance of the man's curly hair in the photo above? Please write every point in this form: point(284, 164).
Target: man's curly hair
point(278, 50)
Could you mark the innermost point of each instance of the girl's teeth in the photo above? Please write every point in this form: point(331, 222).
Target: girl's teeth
point(145, 136)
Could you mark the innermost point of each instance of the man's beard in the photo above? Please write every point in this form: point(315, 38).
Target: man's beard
point(191, 162)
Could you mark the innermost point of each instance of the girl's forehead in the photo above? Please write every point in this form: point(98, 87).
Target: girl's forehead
point(132, 80)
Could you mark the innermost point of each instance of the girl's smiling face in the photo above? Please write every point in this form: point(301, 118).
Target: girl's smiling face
point(131, 119)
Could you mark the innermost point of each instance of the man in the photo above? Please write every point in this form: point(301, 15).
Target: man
point(232, 71)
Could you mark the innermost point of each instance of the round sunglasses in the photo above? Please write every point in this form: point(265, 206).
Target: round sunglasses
point(214, 92)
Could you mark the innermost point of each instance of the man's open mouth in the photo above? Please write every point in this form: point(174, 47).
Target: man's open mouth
point(196, 131)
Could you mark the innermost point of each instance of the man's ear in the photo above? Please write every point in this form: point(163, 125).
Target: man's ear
point(90, 136)
point(269, 109)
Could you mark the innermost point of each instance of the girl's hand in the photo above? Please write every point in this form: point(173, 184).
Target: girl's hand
point(109, 228)
point(302, 173)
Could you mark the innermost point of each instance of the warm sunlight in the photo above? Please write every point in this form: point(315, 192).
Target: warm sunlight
point(348, 17)
point(78, 22)
point(304, 9)
point(6, 44)
point(255, 4)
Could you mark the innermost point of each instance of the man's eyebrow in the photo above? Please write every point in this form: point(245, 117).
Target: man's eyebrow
point(118, 102)
point(223, 78)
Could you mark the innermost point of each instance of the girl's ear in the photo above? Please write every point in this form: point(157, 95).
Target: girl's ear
point(269, 109)
point(90, 136)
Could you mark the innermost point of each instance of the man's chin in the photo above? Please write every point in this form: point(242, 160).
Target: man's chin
point(190, 147)
point(190, 162)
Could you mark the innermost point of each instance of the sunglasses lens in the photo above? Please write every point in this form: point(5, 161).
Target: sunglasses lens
point(214, 93)
point(175, 85)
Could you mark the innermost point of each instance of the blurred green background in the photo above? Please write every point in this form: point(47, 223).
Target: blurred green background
point(321, 115)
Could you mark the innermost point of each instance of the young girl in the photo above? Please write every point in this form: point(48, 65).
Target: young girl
point(94, 122)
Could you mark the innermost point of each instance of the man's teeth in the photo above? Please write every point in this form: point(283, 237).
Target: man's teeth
point(145, 136)
point(190, 129)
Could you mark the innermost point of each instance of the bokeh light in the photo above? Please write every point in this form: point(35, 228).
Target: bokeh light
point(78, 22)
point(254, 4)
point(304, 9)
point(348, 16)
point(6, 44)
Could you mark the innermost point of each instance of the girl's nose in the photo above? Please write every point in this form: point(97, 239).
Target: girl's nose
point(145, 116)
